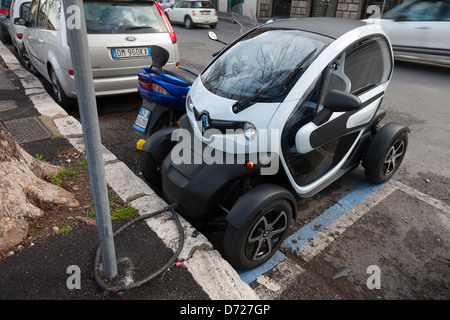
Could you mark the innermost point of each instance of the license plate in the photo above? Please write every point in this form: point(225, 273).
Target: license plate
point(205, 12)
point(121, 53)
point(142, 120)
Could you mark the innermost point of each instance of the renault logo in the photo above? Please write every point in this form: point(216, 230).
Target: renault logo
point(204, 122)
point(130, 38)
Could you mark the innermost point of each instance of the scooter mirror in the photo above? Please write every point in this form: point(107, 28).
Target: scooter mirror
point(212, 35)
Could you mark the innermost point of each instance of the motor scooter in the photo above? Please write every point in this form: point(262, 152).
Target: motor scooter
point(163, 91)
point(278, 115)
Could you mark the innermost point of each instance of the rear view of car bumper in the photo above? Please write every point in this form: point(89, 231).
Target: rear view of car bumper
point(205, 20)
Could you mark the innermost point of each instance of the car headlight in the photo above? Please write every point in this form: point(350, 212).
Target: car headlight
point(189, 104)
point(249, 131)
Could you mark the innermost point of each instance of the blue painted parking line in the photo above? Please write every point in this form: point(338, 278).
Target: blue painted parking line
point(251, 275)
point(312, 229)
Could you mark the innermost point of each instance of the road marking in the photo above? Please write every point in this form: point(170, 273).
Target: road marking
point(300, 238)
point(303, 236)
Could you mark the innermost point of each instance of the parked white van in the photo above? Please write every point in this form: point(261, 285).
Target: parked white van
point(120, 34)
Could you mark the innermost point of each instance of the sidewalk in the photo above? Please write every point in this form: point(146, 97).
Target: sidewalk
point(40, 272)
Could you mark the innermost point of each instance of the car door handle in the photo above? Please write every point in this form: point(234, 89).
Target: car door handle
point(422, 27)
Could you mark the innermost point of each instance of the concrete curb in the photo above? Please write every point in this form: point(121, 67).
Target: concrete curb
point(218, 279)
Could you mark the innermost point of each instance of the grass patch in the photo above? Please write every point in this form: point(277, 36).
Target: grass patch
point(40, 157)
point(57, 179)
point(62, 230)
point(119, 213)
point(82, 163)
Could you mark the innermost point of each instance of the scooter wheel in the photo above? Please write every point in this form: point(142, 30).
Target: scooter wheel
point(250, 246)
point(384, 156)
point(151, 172)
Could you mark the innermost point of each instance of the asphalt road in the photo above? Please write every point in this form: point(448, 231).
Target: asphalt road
point(402, 229)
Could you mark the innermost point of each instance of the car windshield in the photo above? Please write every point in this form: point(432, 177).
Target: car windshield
point(104, 17)
point(200, 4)
point(263, 65)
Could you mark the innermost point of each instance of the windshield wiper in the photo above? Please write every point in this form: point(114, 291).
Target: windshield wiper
point(243, 104)
point(299, 67)
point(138, 27)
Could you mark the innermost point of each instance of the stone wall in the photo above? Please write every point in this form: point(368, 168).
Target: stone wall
point(348, 9)
point(299, 8)
point(264, 8)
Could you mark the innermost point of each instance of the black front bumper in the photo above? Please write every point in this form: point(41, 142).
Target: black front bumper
point(199, 188)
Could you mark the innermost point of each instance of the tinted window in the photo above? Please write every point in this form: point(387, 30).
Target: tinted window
point(200, 4)
point(445, 14)
point(33, 13)
point(54, 14)
point(122, 17)
point(422, 11)
point(42, 14)
point(368, 64)
point(24, 9)
point(5, 4)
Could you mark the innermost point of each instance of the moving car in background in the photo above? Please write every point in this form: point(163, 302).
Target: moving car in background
point(19, 9)
point(120, 34)
point(419, 30)
point(166, 3)
point(4, 13)
point(192, 13)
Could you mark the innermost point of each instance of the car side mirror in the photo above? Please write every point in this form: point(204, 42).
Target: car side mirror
point(20, 21)
point(337, 101)
point(400, 17)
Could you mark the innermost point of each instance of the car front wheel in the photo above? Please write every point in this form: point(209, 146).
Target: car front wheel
point(254, 244)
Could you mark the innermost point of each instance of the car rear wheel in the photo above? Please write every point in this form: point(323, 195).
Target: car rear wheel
point(58, 93)
point(188, 23)
point(254, 244)
point(26, 62)
point(382, 166)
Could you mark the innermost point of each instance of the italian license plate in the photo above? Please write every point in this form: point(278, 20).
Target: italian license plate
point(121, 53)
point(141, 121)
point(205, 12)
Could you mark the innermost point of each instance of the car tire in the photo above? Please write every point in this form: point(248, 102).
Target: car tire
point(188, 23)
point(381, 166)
point(252, 245)
point(26, 62)
point(58, 93)
point(213, 25)
point(151, 172)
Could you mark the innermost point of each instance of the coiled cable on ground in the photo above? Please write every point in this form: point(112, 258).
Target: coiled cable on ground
point(174, 257)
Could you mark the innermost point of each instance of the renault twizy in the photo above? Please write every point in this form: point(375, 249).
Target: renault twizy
point(278, 115)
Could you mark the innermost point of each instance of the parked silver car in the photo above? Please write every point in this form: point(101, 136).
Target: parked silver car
point(19, 9)
point(120, 36)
